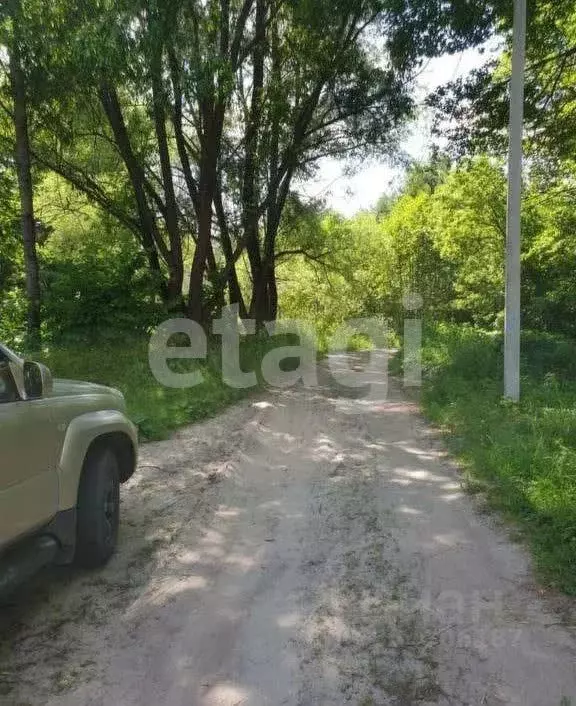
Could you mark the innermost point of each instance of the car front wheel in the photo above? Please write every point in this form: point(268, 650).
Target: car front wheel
point(98, 509)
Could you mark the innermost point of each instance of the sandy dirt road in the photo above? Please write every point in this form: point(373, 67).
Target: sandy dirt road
point(305, 547)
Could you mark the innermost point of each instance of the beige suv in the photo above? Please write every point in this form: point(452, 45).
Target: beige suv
point(65, 448)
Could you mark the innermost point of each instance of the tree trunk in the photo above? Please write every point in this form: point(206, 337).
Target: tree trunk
point(211, 118)
point(22, 157)
point(196, 310)
point(264, 306)
point(172, 226)
point(179, 131)
point(250, 191)
point(207, 186)
point(234, 291)
point(151, 238)
point(273, 294)
point(264, 287)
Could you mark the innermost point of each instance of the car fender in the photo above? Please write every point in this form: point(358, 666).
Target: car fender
point(81, 434)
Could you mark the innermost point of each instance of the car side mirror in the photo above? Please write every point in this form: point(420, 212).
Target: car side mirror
point(37, 380)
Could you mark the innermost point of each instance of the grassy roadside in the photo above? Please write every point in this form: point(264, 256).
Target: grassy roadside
point(157, 410)
point(523, 457)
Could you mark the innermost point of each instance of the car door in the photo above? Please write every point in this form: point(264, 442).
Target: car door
point(29, 457)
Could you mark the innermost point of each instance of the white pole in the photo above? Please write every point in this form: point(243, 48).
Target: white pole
point(513, 231)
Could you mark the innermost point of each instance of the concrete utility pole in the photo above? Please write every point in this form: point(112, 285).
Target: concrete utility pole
point(513, 230)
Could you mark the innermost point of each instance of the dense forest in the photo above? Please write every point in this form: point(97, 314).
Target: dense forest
point(152, 150)
point(151, 155)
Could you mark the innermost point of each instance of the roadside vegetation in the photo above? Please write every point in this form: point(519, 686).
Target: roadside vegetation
point(156, 409)
point(521, 458)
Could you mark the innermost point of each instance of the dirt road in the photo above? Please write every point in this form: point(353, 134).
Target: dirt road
point(302, 548)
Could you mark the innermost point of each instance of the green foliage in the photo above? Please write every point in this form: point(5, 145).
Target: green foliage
point(442, 237)
point(144, 107)
point(89, 299)
point(426, 176)
point(12, 304)
point(12, 316)
point(550, 261)
point(523, 458)
point(157, 410)
point(413, 261)
point(473, 112)
point(470, 233)
point(340, 276)
point(313, 289)
point(10, 258)
point(95, 280)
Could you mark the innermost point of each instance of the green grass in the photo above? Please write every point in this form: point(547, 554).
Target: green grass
point(157, 410)
point(523, 457)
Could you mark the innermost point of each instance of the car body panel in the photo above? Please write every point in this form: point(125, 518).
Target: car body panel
point(44, 443)
point(27, 506)
point(81, 433)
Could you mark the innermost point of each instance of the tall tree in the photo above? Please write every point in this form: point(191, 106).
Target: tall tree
point(191, 121)
point(24, 170)
point(473, 111)
point(318, 88)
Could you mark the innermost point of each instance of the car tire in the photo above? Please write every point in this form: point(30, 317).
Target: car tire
point(98, 511)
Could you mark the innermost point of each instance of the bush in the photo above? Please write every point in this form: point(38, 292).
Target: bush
point(92, 299)
point(12, 317)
